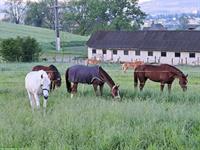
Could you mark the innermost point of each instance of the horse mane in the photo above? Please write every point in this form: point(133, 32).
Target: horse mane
point(55, 70)
point(176, 70)
point(106, 77)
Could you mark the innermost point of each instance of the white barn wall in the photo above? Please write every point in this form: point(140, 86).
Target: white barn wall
point(109, 56)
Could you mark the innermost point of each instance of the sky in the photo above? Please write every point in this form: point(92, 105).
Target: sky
point(169, 6)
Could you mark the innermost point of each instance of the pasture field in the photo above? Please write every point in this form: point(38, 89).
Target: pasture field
point(141, 120)
point(70, 43)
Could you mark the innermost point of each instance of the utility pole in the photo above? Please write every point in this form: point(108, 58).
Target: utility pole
point(57, 26)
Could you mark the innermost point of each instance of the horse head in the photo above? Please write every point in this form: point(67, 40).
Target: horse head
point(183, 82)
point(56, 75)
point(45, 84)
point(115, 91)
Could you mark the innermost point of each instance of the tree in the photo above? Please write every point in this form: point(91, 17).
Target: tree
point(40, 14)
point(87, 16)
point(24, 49)
point(124, 15)
point(14, 11)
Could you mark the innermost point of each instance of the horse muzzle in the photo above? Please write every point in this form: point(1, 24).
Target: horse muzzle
point(45, 97)
point(45, 93)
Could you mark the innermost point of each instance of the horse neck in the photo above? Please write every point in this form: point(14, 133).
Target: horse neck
point(106, 78)
point(177, 72)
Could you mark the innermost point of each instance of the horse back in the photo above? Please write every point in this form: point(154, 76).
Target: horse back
point(83, 74)
point(155, 72)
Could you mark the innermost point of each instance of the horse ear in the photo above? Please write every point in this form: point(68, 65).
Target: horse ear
point(41, 76)
point(186, 75)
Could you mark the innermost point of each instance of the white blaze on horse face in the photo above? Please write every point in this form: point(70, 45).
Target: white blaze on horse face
point(45, 87)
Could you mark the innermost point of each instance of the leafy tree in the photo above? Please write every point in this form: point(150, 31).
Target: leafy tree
point(20, 49)
point(40, 14)
point(87, 16)
point(30, 50)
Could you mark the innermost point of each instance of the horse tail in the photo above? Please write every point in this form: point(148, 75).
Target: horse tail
point(68, 84)
point(135, 78)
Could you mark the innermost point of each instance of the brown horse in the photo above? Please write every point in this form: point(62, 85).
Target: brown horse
point(94, 75)
point(53, 74)
point(132, 65)
point(164, 73)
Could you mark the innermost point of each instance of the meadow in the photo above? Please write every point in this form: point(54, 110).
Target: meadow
point(141, 120)
point(70, 43)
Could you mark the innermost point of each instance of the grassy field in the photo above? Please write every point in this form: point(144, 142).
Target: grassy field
point(141, 120)
point(70, 43)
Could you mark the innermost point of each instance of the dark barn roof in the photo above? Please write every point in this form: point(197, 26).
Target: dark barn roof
point(147, 40)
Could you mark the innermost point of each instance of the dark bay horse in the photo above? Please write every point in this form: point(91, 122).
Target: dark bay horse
point(164, 73)
point(94, 75)
point(53, 74)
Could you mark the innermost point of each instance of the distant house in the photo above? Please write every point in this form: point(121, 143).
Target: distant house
point(172, 47)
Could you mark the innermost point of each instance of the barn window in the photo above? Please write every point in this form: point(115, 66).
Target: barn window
point(163, 54)
point(93, 51)
point(137, 52)
point(104, 51)
point(177, 54)
point(192, 55)
point(114, 52)
point(125, 52)
point(150, 53)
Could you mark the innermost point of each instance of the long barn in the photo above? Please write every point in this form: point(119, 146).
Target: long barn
point(172, 47)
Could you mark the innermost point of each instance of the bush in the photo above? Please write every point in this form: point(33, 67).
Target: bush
point(20, 49)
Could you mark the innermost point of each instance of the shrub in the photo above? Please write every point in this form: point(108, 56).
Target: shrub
point(20, 49)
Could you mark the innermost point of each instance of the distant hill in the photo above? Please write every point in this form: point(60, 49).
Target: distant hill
point(154, 7)
point(44, 36)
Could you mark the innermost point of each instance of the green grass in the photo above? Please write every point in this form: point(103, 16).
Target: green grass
point(45, 37)
point(141, 120)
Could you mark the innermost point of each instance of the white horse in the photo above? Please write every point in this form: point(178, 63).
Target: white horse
point(37, 83)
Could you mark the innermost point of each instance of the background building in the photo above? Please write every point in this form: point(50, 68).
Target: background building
point(171, 47)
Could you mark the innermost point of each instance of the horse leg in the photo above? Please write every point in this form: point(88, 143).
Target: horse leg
point(142, 83)
point(44, 105)
point(169, 87)
point(51, 86)
point(31, 99)
point(101, 89)
point(95, 89)
point(37, 100)
point(74, 89)
point(162, 86)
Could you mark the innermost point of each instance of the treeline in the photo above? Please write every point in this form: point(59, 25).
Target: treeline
point(77, 16)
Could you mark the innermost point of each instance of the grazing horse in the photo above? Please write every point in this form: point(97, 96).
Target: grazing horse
point(164, 73)
point(53, 74)
point(94, 75)
point(92, 61)
point(132, 65)
point(37, 83)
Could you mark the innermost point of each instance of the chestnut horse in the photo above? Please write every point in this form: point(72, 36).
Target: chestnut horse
point(132, 65)
point(94, 75)
point(164, 73)
point(53, 74)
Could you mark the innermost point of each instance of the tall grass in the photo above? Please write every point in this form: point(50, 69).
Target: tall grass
point(141, 120)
